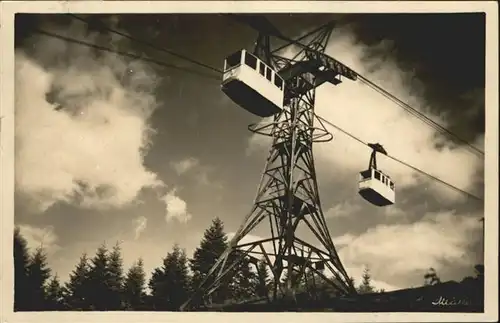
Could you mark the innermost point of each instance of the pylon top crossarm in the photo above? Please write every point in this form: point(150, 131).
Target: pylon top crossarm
point(309, 63)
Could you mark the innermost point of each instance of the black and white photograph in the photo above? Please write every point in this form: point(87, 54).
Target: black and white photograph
point(242, 160)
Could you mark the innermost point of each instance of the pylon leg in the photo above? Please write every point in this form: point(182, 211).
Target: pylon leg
point(286, 199)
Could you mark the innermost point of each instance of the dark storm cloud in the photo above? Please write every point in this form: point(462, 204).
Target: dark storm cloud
point(447, 52)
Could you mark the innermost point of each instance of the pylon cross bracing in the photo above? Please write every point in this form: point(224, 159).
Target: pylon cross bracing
point(287, 200)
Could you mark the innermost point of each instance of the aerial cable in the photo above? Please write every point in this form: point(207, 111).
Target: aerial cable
point(403, 162)
point(151, 45)
point(125, 54)
point(410, 111)
point(302, 37)
point(72, 40)
point(379, 89)
point(374, 86)
point(418, 114)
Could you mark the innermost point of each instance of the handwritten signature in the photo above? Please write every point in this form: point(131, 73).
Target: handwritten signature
point(443, 301)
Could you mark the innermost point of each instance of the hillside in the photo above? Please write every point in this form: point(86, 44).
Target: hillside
point(467, 296)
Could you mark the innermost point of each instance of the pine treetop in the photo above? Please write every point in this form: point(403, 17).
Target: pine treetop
point(54, 285)
point(81, 268)
point(213, 243)
point(100, 260)
point(215, 232)
point(366, 277)
point(38, 267)
point(135, 281)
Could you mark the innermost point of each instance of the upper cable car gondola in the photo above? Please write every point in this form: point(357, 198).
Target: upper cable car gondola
point(375, 186)
point(252, 84)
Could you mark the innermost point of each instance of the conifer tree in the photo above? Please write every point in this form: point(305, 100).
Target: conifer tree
point(55, 295)
point(352, 281)
point(157, 287)
point(134, 286)
point(212, 245)
point(115, 279)
point(38, 274)
point(297, 282)
point(99, 291)
point(77, 289)
point(479, 270)
point(431, 277)
point(243, 280)
point(263, 280)
point(21, 263)
point(365, 286)
point(316, 285)
point(170, 283)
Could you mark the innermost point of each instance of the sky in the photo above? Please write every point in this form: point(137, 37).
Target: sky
point(111, 150)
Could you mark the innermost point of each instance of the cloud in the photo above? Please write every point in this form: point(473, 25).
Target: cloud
point(201, 174)
point(91, 151)
point(343, 240)
point(40, 237)
point(355, 272)
point(268, 246)
point(399, 254)
point(369, 116)
point(394, 211)
point(185, 165)
point(205, 177)
point(395, 253)
point(343, 209)
point(176, 208)
point(140, 224)
point(259, 142)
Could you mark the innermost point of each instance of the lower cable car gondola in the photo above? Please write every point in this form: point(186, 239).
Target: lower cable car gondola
point(253, 85)
point(375, 186)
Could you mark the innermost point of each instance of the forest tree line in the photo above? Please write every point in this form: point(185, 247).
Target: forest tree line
point(100, 283)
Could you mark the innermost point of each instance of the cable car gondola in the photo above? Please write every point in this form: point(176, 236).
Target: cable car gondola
point(375, 186)
point(253, 85)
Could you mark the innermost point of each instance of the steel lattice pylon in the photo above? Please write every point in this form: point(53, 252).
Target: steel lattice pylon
point(288, 196)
